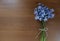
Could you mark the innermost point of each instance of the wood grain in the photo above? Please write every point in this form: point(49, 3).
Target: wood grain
point(17, 21)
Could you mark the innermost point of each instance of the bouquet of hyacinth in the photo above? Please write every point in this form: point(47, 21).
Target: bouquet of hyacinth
point(43, 13)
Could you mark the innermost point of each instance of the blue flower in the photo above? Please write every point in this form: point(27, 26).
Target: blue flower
point(43, 13)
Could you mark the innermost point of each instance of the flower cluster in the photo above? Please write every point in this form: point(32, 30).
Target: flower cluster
point(43, 13)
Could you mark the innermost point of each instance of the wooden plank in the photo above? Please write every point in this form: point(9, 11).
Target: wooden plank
point(17, 21)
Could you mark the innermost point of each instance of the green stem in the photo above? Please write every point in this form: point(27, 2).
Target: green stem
point(43, 33)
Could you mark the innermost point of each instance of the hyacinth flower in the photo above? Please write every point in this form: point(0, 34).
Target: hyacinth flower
point(43, 13)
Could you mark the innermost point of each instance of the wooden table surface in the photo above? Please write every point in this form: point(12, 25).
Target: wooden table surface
point(17, 21)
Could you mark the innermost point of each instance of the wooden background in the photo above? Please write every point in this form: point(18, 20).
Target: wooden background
point(17, 21)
